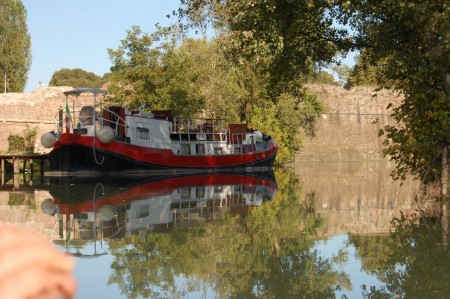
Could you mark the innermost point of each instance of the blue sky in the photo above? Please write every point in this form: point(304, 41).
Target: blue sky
point(77, 33)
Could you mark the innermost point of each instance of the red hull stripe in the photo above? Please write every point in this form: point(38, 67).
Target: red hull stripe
point(163, 187)
point(167, 158)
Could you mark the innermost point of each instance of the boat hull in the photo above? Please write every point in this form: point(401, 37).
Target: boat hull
point(86, 155)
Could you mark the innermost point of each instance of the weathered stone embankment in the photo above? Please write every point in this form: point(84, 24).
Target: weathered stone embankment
point(348, 131)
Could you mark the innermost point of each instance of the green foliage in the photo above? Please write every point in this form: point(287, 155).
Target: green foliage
point(342, 71)
point(266, 121)
point(285, 38)
point(287, 122)
point(19, 198)
point(76, 78)
point(15, 46)
point(416, 143)
point(16, 143)
point(147, 71)
point(363, 73)
point(321, 77)
point(24, 143)
point(310, 109)
point(30, 138)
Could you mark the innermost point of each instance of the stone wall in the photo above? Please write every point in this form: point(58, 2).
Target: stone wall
point(348, 131)
point(36, 109)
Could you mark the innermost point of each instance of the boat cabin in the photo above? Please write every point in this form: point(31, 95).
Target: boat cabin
point(160, 130)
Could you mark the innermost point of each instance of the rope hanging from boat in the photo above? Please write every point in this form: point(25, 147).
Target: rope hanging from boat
point(94, 152)
point(95, 138)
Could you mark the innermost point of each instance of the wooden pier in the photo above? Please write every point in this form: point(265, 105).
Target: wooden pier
point(26, 159)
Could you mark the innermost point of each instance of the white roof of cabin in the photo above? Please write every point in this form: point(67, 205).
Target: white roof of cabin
point(78, 91)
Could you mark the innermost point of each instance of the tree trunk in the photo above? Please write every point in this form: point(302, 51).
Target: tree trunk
point(444, 174)
point(444, 188)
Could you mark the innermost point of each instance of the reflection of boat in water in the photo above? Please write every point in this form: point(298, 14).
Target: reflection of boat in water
point(121, 207)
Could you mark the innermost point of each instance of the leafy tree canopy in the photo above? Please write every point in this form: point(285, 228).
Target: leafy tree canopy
point(148, 72)
point(15, 46)
point(284, 37)
point(76, 78)
point(363, 73)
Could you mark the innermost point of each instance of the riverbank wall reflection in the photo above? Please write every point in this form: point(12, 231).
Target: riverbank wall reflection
point(20, 207)
point(356, 197)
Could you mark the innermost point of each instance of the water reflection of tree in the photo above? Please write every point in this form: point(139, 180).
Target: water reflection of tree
point(266, 254)
point(411, 260)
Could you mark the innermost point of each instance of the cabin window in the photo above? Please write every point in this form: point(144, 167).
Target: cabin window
point(200, 192)
point(237, 149)
point(217, 150)
point(80, 131)
point(185, 193)
point(81, 216)
point(143, 211)
point(200, 149)
point(143, 133)
point(185, 149)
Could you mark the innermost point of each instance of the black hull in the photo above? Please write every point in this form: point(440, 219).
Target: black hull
point(76, 159)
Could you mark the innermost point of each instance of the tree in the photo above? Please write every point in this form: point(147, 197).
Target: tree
point(147, 72)
point(15, 46)
point(321, 77)
point(363, 73)
point(286, 38)
point(76, 78)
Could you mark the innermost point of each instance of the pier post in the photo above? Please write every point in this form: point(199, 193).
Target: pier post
point(15, 181)
point(3, 171)
point(15, 165)
point(42, 166)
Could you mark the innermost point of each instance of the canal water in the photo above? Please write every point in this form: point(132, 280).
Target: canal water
point(319, 230)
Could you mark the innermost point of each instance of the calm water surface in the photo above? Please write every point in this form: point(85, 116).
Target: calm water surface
point(322, 230)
